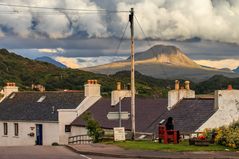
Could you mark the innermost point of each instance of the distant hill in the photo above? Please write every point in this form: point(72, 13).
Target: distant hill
point(163, 62)
point(236, 70)
point(23, 71)
point(51, 61)
point(215, 83)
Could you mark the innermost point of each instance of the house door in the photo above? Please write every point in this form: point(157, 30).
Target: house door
point(38, 134)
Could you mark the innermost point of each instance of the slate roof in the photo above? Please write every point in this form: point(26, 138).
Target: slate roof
point(147, 110)
point(189, 114)
point(24, 105)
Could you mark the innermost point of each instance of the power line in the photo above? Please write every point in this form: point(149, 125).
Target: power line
point(121, 39)
point(54, 12)
point(148, 42)
point(62, 9)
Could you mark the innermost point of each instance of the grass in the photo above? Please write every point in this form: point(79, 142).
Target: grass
point(182, 146)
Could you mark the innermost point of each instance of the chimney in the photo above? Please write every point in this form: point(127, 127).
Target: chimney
point(118, 87)
point(38, 87)
point(118, 94)
point(176, 95)
point(9, 88)
point(92, 88)
point(187, 85)
point(177, 85)
point(229, 87)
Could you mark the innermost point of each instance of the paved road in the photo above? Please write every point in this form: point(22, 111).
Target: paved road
point(42, 152)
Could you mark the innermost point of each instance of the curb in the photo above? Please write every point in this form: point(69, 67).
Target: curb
point(115, 155)
point(136, 156)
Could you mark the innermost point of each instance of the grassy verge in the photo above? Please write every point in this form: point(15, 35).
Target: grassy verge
point(182, 146)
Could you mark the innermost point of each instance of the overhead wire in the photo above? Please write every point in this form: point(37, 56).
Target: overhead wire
point(121, 40)
point(149, 44)
point(58, 8)
point(54, 13)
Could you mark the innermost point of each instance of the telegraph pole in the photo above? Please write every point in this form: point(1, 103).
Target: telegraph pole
point(131, 20)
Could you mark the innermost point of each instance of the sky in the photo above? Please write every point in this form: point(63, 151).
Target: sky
point(81, 33)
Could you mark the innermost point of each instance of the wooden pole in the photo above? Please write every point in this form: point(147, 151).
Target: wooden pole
point(131, 19)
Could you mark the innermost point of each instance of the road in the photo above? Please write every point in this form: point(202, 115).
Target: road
point(43, 152)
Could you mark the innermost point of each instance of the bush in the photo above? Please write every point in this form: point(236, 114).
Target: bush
point(93, 127)
point(229, 136)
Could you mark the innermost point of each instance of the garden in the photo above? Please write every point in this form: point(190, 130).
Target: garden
point(225, 138)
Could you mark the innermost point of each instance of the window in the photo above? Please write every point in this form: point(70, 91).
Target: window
point(41, 99)
point(5, 129)
point(16, 130)
point(12, 96)
point(67, 128)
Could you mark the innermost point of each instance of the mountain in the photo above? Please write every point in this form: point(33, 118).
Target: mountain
point(165, 55)
point(25, 72)
point(51, 61)
point(163, 62)
point(236, 70)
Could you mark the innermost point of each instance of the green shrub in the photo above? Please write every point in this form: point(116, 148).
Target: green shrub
point(229, 136)
point(93, 127)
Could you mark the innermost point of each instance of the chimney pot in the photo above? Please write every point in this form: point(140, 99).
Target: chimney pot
point(187, 85)
point(177, 85)
point(118, 86)
point(229, 87)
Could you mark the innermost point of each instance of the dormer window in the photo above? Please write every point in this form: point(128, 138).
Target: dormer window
point(12, 96)
point(41, 99)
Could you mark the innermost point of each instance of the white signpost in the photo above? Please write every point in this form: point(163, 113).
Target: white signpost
point(117, 115)
point(119, 134)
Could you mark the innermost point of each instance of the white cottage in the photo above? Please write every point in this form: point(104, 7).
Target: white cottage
point(42, 118)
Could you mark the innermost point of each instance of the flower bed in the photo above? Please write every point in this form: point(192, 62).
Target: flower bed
point(201, 138)
point(199, 142)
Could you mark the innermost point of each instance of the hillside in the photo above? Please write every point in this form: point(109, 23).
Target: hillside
point(51, 61)
point(23, 71)
point(163, 62)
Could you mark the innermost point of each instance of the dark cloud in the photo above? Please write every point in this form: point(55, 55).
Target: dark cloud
point(205, 29)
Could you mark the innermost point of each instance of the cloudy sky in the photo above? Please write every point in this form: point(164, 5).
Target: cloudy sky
point(82, 33)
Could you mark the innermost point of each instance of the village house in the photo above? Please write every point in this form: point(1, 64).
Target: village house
point(190, 113)
point(47, 117)
point(42, 118)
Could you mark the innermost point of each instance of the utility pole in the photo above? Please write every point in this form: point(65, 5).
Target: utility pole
point(131, 20)
point(120, 112)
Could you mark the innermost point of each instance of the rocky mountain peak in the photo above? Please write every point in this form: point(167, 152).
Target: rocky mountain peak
point(165, 54)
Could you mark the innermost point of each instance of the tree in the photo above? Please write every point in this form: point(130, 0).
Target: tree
point(93, 127)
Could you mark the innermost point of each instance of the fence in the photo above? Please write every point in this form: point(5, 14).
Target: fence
point(80, 139)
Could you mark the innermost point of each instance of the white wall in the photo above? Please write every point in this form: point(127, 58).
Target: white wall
point(92, 90)
point(50, 133)
point(7, 90)
point(117, 94)
point(227, 102)
point(75, 130)
point(65, 117)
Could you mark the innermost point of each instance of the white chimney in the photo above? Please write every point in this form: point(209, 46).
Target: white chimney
point(9, 88)
point(92, 88)
point(118, 94)
point(176, 95)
